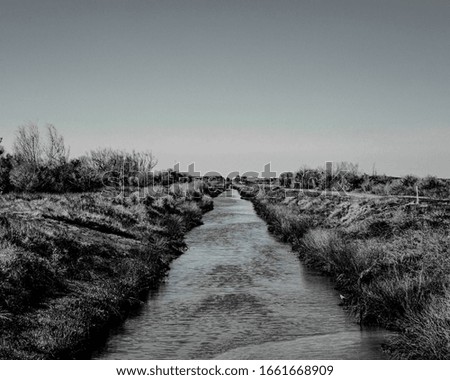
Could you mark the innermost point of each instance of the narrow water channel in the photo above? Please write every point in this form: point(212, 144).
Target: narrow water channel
point(237, 293)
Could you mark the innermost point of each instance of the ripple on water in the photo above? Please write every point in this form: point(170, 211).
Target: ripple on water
point(229, 303)
point(223, 276)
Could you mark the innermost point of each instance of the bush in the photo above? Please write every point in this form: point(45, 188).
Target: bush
point(25, 280)
point(434, 187)
point(332, 253)
point(6, 164)
point(192, 214)
point(425, 334)
point(283, 222)
point(42, 166)
point(25, 177)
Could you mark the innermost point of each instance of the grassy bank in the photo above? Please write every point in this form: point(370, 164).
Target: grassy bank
point(390, 260)
point(73, 266)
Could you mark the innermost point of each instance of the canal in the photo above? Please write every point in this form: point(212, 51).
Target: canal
point(238, 293)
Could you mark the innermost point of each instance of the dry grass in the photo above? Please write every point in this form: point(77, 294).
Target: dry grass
point(426, 333)
point(390, 260)
point(72, 266)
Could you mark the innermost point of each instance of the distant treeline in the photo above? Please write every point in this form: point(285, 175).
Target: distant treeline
point(40, 162)
point(345, 176)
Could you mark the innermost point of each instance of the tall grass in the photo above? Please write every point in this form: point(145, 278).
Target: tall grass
point(288, 226)
point(391, 262)
point(425, 333)
point(72, 266)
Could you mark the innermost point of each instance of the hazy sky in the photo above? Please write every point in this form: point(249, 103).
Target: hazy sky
point(234, 84)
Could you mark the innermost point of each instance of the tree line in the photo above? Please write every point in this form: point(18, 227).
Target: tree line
point(40, 162)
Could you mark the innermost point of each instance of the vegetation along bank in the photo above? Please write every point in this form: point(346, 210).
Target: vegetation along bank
point(390, 259)
point(72, 266)
point(83, 240)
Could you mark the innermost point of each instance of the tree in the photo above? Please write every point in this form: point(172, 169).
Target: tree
point(118, 167)
point(5, 169)
point(27, 145)
point(55, 151)
point(39, 165)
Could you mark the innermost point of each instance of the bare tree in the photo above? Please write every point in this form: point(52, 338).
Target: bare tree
point(55, 150)
point(27, 146)
point(30, 149)
point(143, 161)
point(108, 159)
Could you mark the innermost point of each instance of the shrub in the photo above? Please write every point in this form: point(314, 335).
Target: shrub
point(25, 280)
point(205, 202)
point(6, 164)
point(434, 187)
point(396, 187)
point(425, 333)
point(119, 167)
point(24, 177)
point(330, 252)
point(192, 214)
point(282, 221)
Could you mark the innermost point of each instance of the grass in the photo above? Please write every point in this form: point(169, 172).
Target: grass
point(390, 260)
point(73, 266)
point(426, 334)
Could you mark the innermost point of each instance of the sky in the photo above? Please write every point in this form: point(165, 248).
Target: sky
point(232, 85)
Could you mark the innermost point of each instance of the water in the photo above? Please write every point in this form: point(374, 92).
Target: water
point(237, 293)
